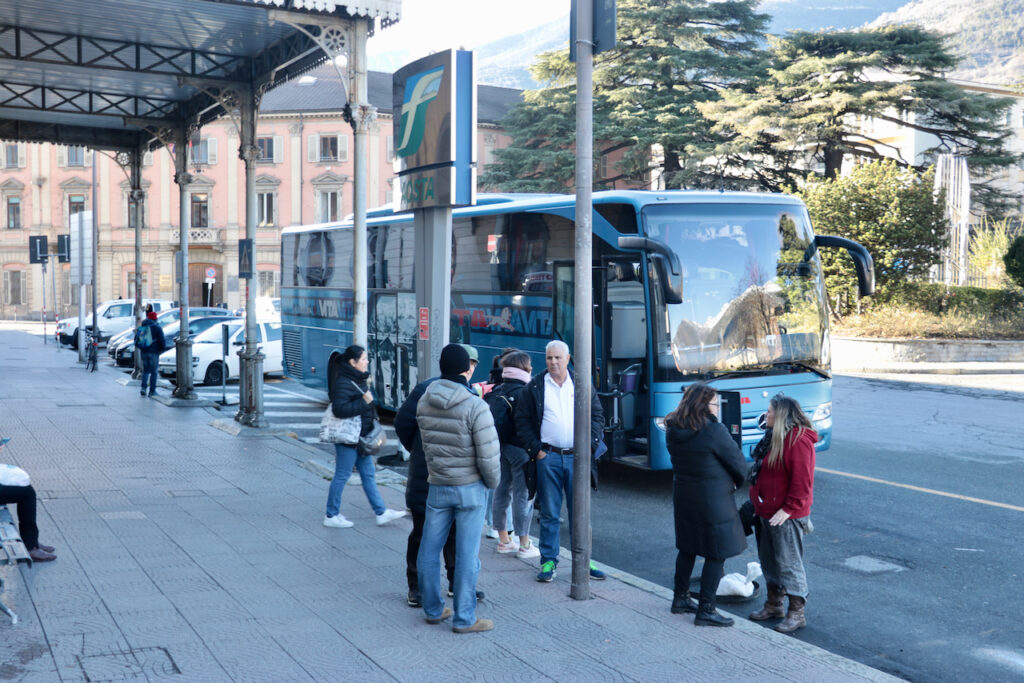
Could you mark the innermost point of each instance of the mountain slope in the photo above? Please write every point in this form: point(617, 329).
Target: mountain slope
point(989, 34)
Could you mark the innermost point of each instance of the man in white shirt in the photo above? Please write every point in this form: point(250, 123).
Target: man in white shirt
point(544, 419)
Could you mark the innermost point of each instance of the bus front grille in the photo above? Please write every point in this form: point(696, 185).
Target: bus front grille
point(291, 344)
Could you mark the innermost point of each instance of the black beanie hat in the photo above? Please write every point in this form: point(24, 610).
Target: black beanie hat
point(454, 360)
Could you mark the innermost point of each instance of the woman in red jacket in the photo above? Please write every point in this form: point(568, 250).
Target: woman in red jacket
point(782, 493)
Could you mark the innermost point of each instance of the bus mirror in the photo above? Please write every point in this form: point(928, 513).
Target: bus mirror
point(665, 260)
point(862, 261)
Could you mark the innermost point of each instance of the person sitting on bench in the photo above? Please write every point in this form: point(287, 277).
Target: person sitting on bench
point(24, 497)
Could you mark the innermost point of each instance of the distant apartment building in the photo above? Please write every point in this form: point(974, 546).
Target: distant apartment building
point(304, 176)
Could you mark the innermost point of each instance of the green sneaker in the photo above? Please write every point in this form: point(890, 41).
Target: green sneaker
point(547, 572)
point(596, 574)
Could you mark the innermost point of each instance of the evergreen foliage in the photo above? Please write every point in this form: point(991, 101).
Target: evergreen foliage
point(820, 88)
point(1014, 261)
point(892, 211)
point(671, 55)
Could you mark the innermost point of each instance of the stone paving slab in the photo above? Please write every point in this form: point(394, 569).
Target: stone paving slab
point(187, 552)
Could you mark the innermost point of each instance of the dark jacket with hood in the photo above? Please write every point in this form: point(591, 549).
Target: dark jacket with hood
point(159, 343)
point(347, 396)
point(707, 466)
point(510, 390)
point(530, 413)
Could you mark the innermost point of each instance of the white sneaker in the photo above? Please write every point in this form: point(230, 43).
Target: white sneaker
point(507, 548)
point(338, 522)
point(529, 552)
point(389, 515)
point(491, 533)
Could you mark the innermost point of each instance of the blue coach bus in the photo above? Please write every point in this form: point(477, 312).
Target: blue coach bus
point(717, 286)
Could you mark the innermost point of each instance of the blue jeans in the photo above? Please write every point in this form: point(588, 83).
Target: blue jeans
point(149, 365)
point(465, 506)
point(344, 459)
point(554, 475)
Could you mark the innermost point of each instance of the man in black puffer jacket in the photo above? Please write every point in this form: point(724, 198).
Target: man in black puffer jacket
point(408, 432)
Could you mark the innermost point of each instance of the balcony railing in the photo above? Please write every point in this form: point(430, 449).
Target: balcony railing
point(197, 236)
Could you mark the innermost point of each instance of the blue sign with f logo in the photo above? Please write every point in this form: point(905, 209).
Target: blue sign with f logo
point(420, 91)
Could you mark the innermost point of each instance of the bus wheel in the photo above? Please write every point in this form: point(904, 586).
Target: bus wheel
point(214, 373)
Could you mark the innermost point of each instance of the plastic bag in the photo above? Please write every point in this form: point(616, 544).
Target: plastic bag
point(12, 475)
point(738, 584)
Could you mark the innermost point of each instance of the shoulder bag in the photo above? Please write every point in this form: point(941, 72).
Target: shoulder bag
point(343, 430)
point(373, 440)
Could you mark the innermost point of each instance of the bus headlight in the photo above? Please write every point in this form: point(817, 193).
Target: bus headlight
point(659, 422)
point(822, 418)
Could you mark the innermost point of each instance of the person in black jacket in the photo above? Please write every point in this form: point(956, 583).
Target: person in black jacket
point(150, 341)
point(416, 488)
point(707, 466)
point(351, 397)
point(502, 399)
point(544, 422)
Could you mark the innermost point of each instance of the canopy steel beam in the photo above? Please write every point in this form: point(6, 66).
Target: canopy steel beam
point(90, 102)
point(65, 49)
point(86, 136)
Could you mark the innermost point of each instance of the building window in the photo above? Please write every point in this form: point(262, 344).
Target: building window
point(11, 156)
point(268, 283)
point(131, 284)
point(328, 148)
point(329, 207)
point(266, 147)
point(14, 212)
point(14, 287)
point(200, 154)
point(265, 206)
point(76, 204)
point(200, 210)
point(76, 156)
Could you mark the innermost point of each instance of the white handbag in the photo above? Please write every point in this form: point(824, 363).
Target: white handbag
point(343, 430)
point(12, 475)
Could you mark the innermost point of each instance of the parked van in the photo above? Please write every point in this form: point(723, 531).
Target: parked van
point(114, 317)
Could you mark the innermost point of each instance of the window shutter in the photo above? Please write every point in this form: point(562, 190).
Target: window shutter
point(342, 147)
point(22, 150)
point(278, 148)
point(86, 157)
point(211, 151)
point(62, 156)
point(313, 148)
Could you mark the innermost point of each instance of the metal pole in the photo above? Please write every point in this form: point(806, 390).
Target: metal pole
point(432, 280)
point(43, 264)
point(363, 116)
point(250, 381)
point(183, 347)
point(53, 281)
point(95, 249)
point(135, 194)
point(583, 298)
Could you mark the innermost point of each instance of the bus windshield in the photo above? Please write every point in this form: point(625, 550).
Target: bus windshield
point(753, 292)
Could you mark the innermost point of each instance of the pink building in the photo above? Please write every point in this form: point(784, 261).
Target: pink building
point(305, 176)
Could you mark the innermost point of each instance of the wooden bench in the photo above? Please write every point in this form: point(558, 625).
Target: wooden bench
point(13, 551)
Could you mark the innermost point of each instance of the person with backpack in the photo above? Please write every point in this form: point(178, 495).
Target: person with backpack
point(502, 400)
point(150, 341)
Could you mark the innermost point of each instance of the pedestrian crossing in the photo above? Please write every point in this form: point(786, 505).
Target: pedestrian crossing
point(287, 411)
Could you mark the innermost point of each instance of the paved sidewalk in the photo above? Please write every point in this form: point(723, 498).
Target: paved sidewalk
point(931, 368)
point(188, 552)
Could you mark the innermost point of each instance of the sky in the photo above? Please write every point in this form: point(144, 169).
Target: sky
point(432, 25)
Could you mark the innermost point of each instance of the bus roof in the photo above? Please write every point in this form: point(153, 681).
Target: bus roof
point(499, 203)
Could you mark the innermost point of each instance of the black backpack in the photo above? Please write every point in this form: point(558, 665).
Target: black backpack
point(502, 403)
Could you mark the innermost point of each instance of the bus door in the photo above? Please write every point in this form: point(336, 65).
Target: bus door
point(563, 311)
point(383, 351)
point(624, 317)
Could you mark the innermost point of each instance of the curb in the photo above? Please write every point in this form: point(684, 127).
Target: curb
point(918, 370)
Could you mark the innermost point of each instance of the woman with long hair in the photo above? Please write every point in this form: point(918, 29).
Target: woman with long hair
point(351, 397)
point(782, 493)
point(707, 466)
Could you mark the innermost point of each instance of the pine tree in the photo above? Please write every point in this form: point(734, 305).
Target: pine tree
point(670, 56)
point(820, 86)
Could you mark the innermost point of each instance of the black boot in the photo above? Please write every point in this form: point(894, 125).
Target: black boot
point(682, 603)
point(707, 616)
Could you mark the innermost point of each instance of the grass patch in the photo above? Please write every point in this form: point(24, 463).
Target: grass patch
point(903, 323)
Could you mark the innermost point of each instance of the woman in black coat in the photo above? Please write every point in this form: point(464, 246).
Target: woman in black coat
point(707, 466)
point(351, 397)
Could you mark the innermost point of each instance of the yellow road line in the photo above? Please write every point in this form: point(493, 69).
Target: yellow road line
point(993, 503)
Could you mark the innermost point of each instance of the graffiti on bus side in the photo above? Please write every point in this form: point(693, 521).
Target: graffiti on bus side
point(528, 321)
point(336, 307)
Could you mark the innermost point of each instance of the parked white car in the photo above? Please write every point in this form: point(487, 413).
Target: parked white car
point(114, 317)
point(207, 363)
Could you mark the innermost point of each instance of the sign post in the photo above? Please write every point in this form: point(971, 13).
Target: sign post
point(435, 142)
point(38, 252)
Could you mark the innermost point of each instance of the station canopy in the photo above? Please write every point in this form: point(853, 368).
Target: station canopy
point(111, 74)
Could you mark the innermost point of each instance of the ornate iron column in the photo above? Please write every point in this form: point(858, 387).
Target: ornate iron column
point(183, 347)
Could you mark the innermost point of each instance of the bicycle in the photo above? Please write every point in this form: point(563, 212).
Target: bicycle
point(92, 343)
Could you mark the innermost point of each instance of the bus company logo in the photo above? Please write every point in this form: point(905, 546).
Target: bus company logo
point(420, 91)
